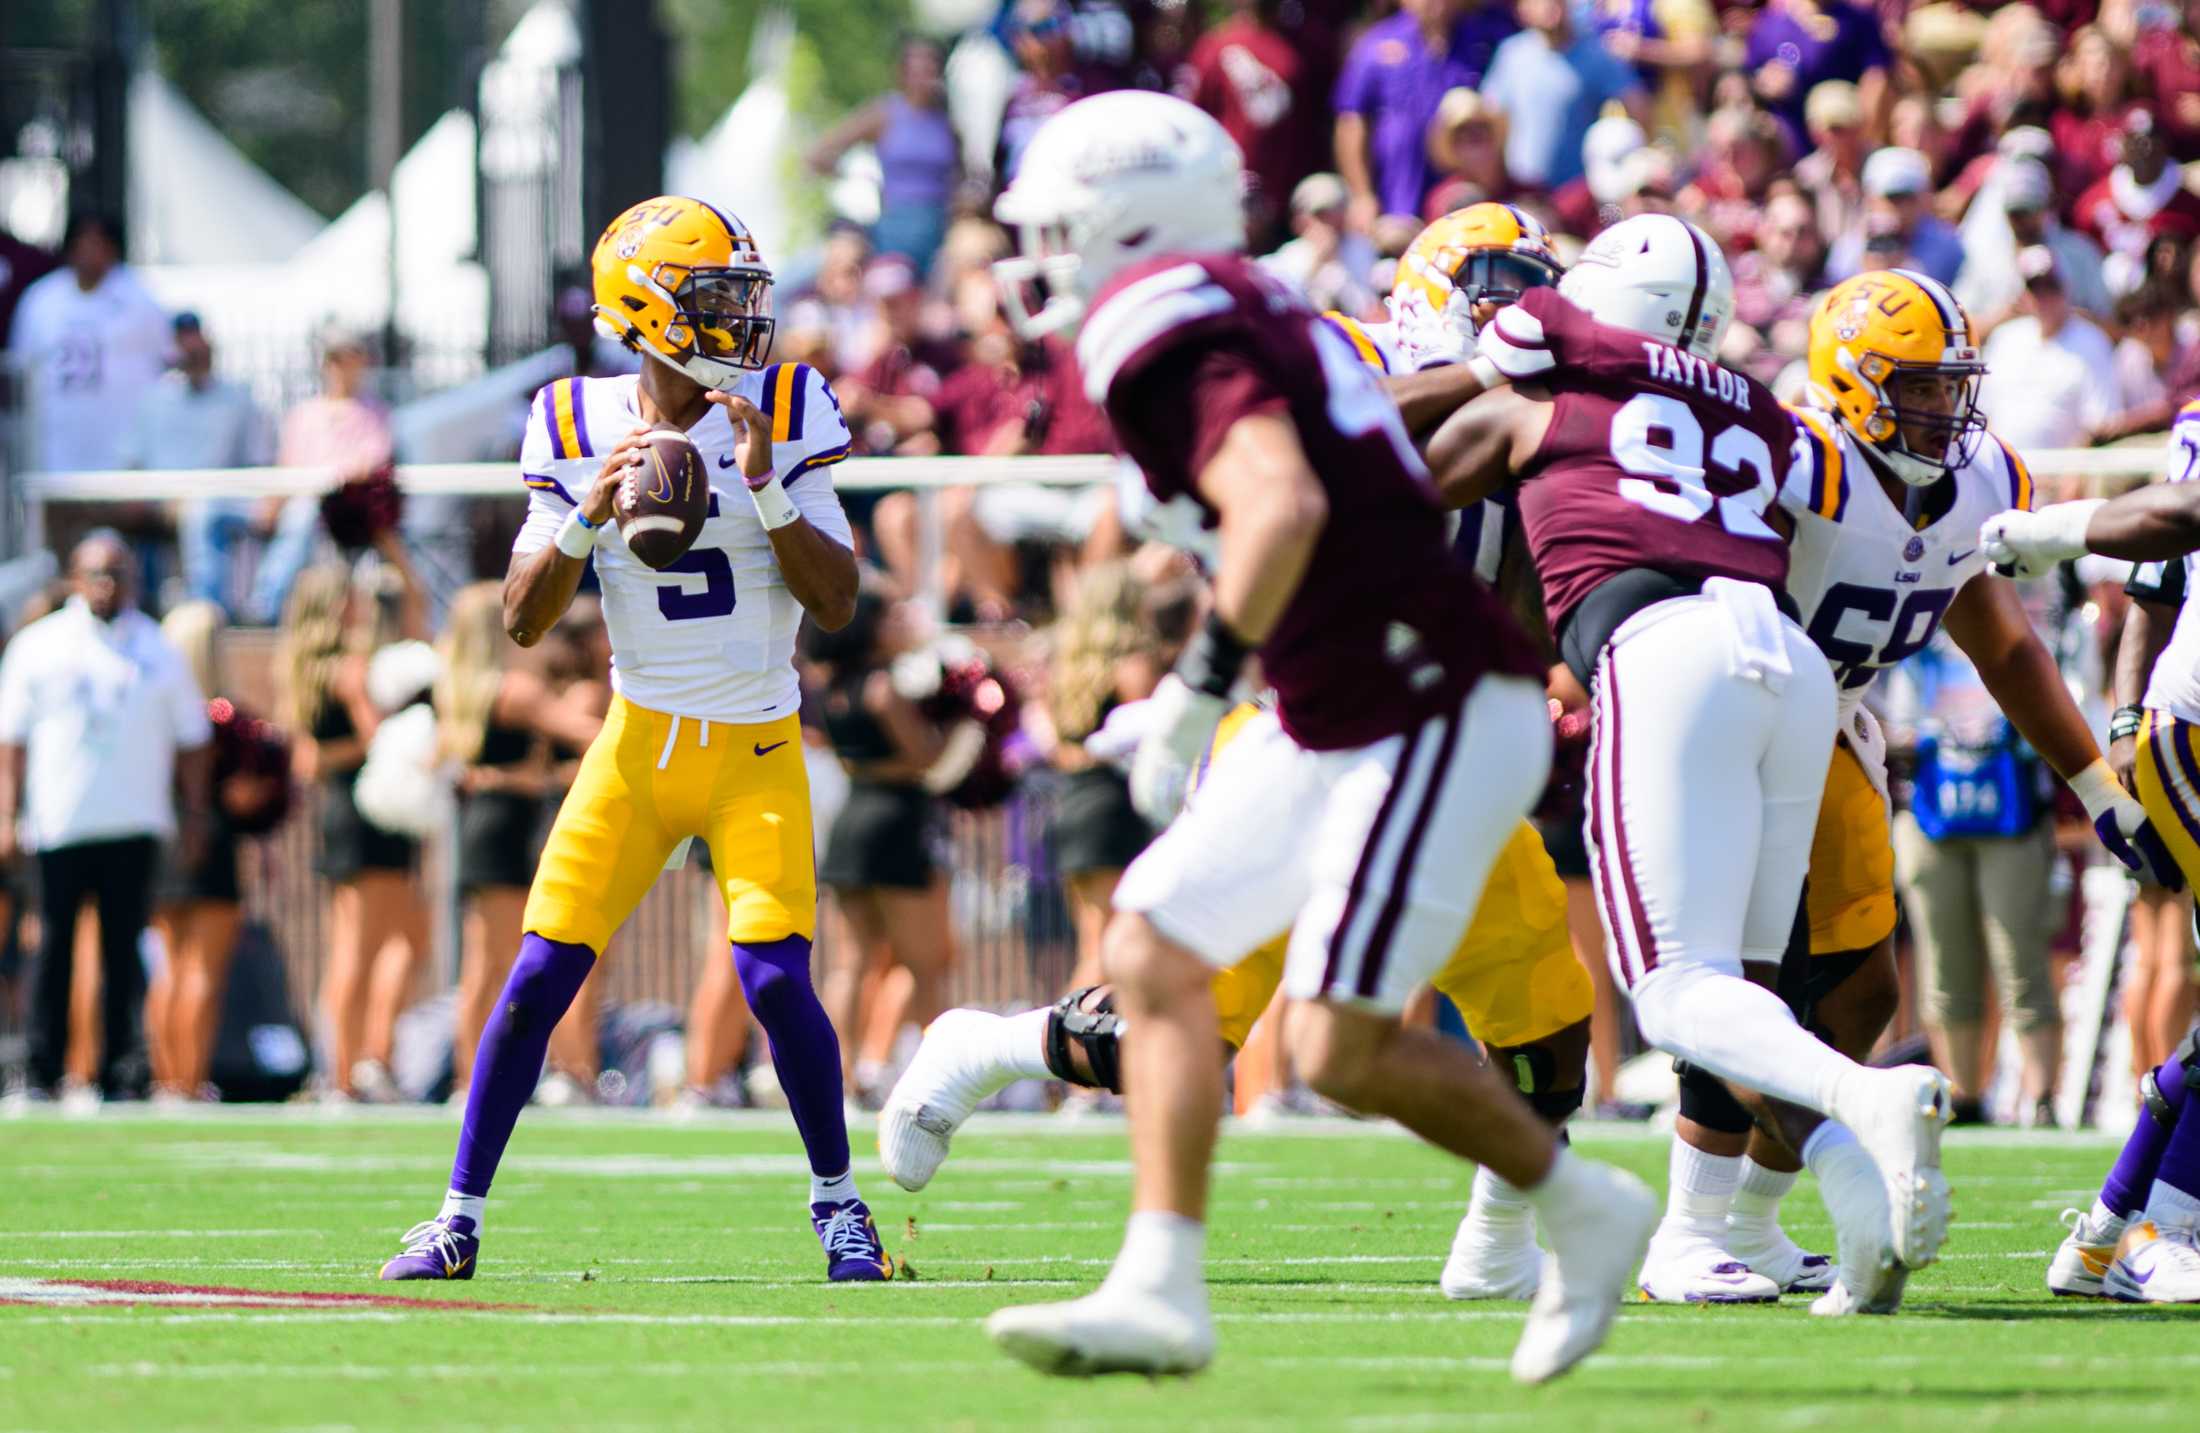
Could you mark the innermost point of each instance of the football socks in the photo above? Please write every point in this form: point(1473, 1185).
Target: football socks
point(775, 976)
point(544, 980)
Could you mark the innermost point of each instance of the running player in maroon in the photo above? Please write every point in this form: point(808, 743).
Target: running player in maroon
point(1409, 735)
point(1646, 472)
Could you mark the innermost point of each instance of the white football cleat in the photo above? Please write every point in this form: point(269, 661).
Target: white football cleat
point(1492, 1263)
point(1684, 1268)
point(943, 1085)
point(1898, 1116)
point(2155, 1264)
point(1595, 1247)
point(1773, 1254)
point(1108, 1331)
point(2083, 1258)
point(1868, 1278)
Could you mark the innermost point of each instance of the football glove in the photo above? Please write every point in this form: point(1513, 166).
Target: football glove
point(1180, 724)
point(1429, 338)
point(2029, 544)
point(2125, 829)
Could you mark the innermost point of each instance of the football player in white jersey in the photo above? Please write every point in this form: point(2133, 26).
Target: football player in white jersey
point(702, 739)
point(2140, 1241)
point(1898, 473)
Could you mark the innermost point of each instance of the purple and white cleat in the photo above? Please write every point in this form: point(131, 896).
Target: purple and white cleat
point(853, 1251)
point(443, 1248)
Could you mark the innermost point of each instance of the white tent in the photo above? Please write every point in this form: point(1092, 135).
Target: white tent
point(194, 197)
point(745, 162)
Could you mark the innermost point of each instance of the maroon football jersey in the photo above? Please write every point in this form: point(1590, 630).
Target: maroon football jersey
point(1654, 458)
point(1387, 627)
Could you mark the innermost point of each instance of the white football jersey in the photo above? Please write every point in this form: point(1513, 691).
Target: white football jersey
point(1872, 585)
point(711, 636)
point(2174, 684)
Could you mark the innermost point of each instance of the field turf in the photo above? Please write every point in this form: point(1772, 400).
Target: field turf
point(649, 1275)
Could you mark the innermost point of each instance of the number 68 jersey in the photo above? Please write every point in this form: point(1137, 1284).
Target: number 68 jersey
point(711, 636)
point(1872, 583)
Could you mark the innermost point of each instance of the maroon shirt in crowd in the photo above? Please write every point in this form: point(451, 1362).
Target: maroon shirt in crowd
point(1269, 89)
point(1607, 491)
point(1387, 628)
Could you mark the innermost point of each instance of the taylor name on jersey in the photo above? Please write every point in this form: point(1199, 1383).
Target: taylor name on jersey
point(712, 635)
point(1871, 583)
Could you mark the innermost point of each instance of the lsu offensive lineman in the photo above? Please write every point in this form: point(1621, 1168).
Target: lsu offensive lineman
point(1514, 974)
point(701, 740)
point(1897, 474)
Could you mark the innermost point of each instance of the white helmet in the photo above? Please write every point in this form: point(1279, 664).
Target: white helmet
point(1657, 275)
point(1110, 180)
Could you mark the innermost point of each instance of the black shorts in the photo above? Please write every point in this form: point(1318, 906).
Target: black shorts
point(882, 837)
point(1563, 839)
point(1095, 826)
point(213, 879)
point(351, 844)
point(500, 836)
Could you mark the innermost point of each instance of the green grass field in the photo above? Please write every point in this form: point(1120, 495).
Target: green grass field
point(648, 1275)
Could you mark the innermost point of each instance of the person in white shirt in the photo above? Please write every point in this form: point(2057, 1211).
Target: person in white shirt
point(2049, 372)
point(91, 341)
point(191, 419)
point(101, 726)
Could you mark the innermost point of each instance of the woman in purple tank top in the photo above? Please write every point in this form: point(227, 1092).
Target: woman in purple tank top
point(919, 156)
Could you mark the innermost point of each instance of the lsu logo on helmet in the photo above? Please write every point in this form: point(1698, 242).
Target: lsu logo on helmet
point(1893, 358)
point(682, 282)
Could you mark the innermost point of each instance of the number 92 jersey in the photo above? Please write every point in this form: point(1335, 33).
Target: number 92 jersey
point(1871, 583)
point(711, 636)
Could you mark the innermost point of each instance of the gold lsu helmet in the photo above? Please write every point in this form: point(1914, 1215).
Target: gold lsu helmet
point(1484, 253)
point(1884, 331)
point(683, 282)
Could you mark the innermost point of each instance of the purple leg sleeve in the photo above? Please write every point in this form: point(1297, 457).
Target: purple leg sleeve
point(2126, 1187)
point(775, 976)
point(545, 978)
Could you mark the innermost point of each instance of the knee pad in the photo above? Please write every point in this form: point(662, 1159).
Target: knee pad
point(2157, 1104)
point(1534, 1071)
point(1555, 1106)
point(1092, 1026)
point(2188, 1056)
point(1706, 1100)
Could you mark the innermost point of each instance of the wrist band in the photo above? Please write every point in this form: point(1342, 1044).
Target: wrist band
point(773, 507)
point(2125, 721)
point(2097, 788)
point(576, 536)
point(1212, 658)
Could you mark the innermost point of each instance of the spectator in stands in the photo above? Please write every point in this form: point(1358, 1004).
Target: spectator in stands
point(1670, 44)
point(878, 859)
point(833, 307)
point(1974, 853)
point(1989, 285)
point(1039, 37)
point(1832, 174)
point(102, 731)
point(1744, 151)
point(344, 430)
point(199, 904)
point(1623, 174)
point(1391, 84)
point(1325, 260)
point(2050, 373)
point(2143, 198)
point(1268, 84)
point(2153, 366)
point(1776, 285)
point(191, 419)
point(2093, 85)
point(1551, 81)
point(2165, 56)
point(1796, 45)
point(496, 723)
point(91, 342)
point(2011, 86)
point(919, 154)
point(321, 668)
point(888, 401)
point(1466, 148)
point(1897, 227)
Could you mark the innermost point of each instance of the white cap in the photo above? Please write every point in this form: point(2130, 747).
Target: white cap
point(2025, 184)
point(1607, 153)
point(1895, 173)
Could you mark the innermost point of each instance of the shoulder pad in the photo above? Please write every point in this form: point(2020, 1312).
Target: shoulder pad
point(1821, 445)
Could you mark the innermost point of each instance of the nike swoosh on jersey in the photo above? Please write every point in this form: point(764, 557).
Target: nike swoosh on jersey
point(768, 750)
point(725, 460)
point(1955, 558)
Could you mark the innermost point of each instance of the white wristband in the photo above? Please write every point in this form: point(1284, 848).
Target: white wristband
point(1487, 372)
point(773, 507)
point(2097, 787)
point(576, 536)
point(2060, 530)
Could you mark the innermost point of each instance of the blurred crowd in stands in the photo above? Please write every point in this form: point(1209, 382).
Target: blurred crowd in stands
point(2031, 155)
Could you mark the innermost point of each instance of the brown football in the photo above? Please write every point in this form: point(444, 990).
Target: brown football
point(662, 503)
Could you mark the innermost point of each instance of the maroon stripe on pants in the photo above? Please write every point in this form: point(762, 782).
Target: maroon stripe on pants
point(1367, 856)
point(1386, 925)
point(1592, 798)
point(1645, 942)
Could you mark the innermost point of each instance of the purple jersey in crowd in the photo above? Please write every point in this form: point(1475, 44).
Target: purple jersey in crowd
point(1654, 458)
point(1387, 627)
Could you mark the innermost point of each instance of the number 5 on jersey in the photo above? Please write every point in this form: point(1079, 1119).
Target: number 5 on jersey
point(677, 603)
